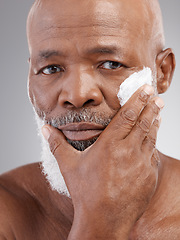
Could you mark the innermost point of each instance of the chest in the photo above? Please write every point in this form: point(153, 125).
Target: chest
point(157, 223)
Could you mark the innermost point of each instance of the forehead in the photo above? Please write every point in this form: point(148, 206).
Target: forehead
point(91, 19)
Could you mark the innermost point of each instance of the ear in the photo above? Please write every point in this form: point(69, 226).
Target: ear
point(165, 63)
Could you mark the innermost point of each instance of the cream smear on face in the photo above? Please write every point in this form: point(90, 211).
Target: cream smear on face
point(132, 83)
point(50, 167)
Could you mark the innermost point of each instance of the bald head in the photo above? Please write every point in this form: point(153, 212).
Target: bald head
point(143, 16)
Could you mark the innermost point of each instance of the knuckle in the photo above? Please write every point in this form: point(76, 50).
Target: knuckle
point(129, 116)
point(144, 124)
point(155, 108)
point(155, 160)
point(156, 123)
point(143, 97)
point(151, 141)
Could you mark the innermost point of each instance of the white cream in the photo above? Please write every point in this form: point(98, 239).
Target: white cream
point(132, 83)
point(49, 164)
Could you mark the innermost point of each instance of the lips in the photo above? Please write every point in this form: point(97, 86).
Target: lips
point(81, 131)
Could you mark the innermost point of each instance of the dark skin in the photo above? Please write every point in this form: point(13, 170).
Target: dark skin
point(129, 189)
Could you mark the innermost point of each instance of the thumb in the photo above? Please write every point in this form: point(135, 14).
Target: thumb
point(64, 153)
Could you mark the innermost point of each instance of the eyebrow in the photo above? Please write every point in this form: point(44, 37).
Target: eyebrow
point(112, 49)
point(104, 50)
point(46, 54)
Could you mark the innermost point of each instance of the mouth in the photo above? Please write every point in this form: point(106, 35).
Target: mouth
point(81, 131)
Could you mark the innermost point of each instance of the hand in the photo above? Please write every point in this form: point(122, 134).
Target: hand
point(112, 182)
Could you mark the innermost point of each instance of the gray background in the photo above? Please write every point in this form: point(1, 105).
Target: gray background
point(18, 139)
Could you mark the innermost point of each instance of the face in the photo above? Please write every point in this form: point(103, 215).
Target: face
point(80, 53)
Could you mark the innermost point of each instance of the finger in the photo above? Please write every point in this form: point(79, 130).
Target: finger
point(149, 143)
point(146, 119)
point(126, 118)
point(64, 153)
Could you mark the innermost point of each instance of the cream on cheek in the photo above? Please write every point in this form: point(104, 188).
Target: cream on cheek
point(132, 83)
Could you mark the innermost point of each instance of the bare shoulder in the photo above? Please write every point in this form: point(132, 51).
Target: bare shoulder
point(165, 217)
point(27, 206)
point(5, 212)
point(171, 167)
point(20, 181)
point(170, 183)
point(161, 220)
point(16, 201)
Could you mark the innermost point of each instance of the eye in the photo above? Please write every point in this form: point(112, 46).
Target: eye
point(52, 69)
point(110, 65)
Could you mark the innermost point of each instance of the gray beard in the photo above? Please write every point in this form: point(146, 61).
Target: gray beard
point(82, 145)
point(49, 165)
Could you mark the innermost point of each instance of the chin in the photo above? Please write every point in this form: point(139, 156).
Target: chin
point(82, 145)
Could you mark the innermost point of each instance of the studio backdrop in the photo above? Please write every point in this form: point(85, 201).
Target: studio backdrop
point(18, 138)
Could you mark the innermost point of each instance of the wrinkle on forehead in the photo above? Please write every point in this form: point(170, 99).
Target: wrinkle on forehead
point(83, 14)
point(142, 17)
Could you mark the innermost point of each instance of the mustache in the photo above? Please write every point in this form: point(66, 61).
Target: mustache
point(74, 116)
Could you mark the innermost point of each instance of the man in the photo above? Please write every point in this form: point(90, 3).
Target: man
point(120, 186)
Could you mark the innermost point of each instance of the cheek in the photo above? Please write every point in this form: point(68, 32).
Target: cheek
point(111, 88)
point(110, 95)
point(42, 96)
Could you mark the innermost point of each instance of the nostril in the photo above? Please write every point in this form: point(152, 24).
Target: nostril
point(85, 104)
point(90, 101)
point(66, 103)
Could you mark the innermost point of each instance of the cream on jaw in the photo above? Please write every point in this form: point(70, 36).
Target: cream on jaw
point(132, 83)
point(49, 164)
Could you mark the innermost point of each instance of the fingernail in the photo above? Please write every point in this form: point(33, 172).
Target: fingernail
point(159, 102)
point(148, 89)
point(46, 132)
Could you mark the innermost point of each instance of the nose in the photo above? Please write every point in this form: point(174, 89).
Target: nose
point(80, 89)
